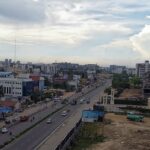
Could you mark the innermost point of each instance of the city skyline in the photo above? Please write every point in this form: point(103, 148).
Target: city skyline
point(84, 32)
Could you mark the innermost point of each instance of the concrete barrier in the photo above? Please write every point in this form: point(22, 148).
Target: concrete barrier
point(70, 137)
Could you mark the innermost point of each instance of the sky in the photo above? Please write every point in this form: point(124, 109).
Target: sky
point(101, 32)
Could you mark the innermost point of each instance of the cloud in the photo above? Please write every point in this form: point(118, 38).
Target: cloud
point(76, 27)
point(141, 42)
point(22, 11)
point(147, 17)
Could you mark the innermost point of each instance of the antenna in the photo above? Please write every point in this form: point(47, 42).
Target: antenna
point(15, 48)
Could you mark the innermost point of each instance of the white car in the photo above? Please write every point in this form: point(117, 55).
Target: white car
point(64, 113)
point(4, 130)
point(82, 101)
point(49, 121)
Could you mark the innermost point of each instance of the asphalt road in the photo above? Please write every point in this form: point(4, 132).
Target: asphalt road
point(34, 137)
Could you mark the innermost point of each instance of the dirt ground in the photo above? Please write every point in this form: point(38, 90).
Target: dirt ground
point(131, 93)
point(122, 134)
point(67, 94)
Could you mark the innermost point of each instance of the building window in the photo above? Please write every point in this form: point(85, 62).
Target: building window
point(4, 90)
point(9, 90)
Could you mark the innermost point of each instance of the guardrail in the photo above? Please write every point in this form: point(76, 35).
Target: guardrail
point(70, 136)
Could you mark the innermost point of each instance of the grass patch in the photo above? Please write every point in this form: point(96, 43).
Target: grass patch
point(90, 133)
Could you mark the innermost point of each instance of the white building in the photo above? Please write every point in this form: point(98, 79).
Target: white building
point(142, 68)
point(13, 86)
point(51, 69)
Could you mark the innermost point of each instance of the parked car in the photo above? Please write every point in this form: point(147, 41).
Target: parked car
point(49, 121)
point(4, 130)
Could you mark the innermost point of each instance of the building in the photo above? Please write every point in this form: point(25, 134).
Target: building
point(91, 74)
point(117, 69)
point(6, 74)
point(16, 87)
point(38, 81)
point(51, 69)
point(142, 68)
point(146, 85)
point(131, 71)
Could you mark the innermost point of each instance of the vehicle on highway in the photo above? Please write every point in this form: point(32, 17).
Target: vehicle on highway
point(49, 121)
point(24, 118)
point(73, 102)
point(56, 99)
point(82, 101)
point(64, 113)
point(88, 101)
point(7, 121)
point(19, 110)
point(4, 130)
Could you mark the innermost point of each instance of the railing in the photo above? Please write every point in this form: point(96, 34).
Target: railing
point(70, 136)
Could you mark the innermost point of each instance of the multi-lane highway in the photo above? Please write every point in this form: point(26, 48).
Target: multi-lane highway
point(36, 135)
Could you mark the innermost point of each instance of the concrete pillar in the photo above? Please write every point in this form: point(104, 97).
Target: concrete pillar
point(105, 100)
point(112, 96)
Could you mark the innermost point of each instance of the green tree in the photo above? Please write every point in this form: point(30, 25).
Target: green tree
point(135, 81)
point(120, 81)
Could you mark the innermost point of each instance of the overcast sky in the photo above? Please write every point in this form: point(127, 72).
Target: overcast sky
point(81, 31)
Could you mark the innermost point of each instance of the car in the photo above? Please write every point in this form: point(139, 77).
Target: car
point(19, 110)
point(64, 113)
point(7, 121)
point(49, 121)
point(24, 118)
point(82, 101)
point(4, 130)
point(88, 101)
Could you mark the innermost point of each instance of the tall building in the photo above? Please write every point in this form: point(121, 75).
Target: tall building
point(142, 68)
point(51, 69)
point(117, 69)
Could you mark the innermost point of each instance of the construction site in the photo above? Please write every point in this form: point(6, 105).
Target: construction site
point(123, 134)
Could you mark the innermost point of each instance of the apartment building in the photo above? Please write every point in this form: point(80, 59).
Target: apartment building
point(142, 69)
point(117, 69)
point(16, 87)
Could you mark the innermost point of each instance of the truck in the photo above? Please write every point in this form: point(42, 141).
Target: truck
point(135, 117)
point(24, 118)
point(73, 102)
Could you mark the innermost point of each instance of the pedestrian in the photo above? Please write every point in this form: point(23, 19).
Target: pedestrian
point(10, 133)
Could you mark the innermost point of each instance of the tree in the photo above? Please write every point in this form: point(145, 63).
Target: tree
point(135, 81)
point(108, 90)
point(120, 81)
